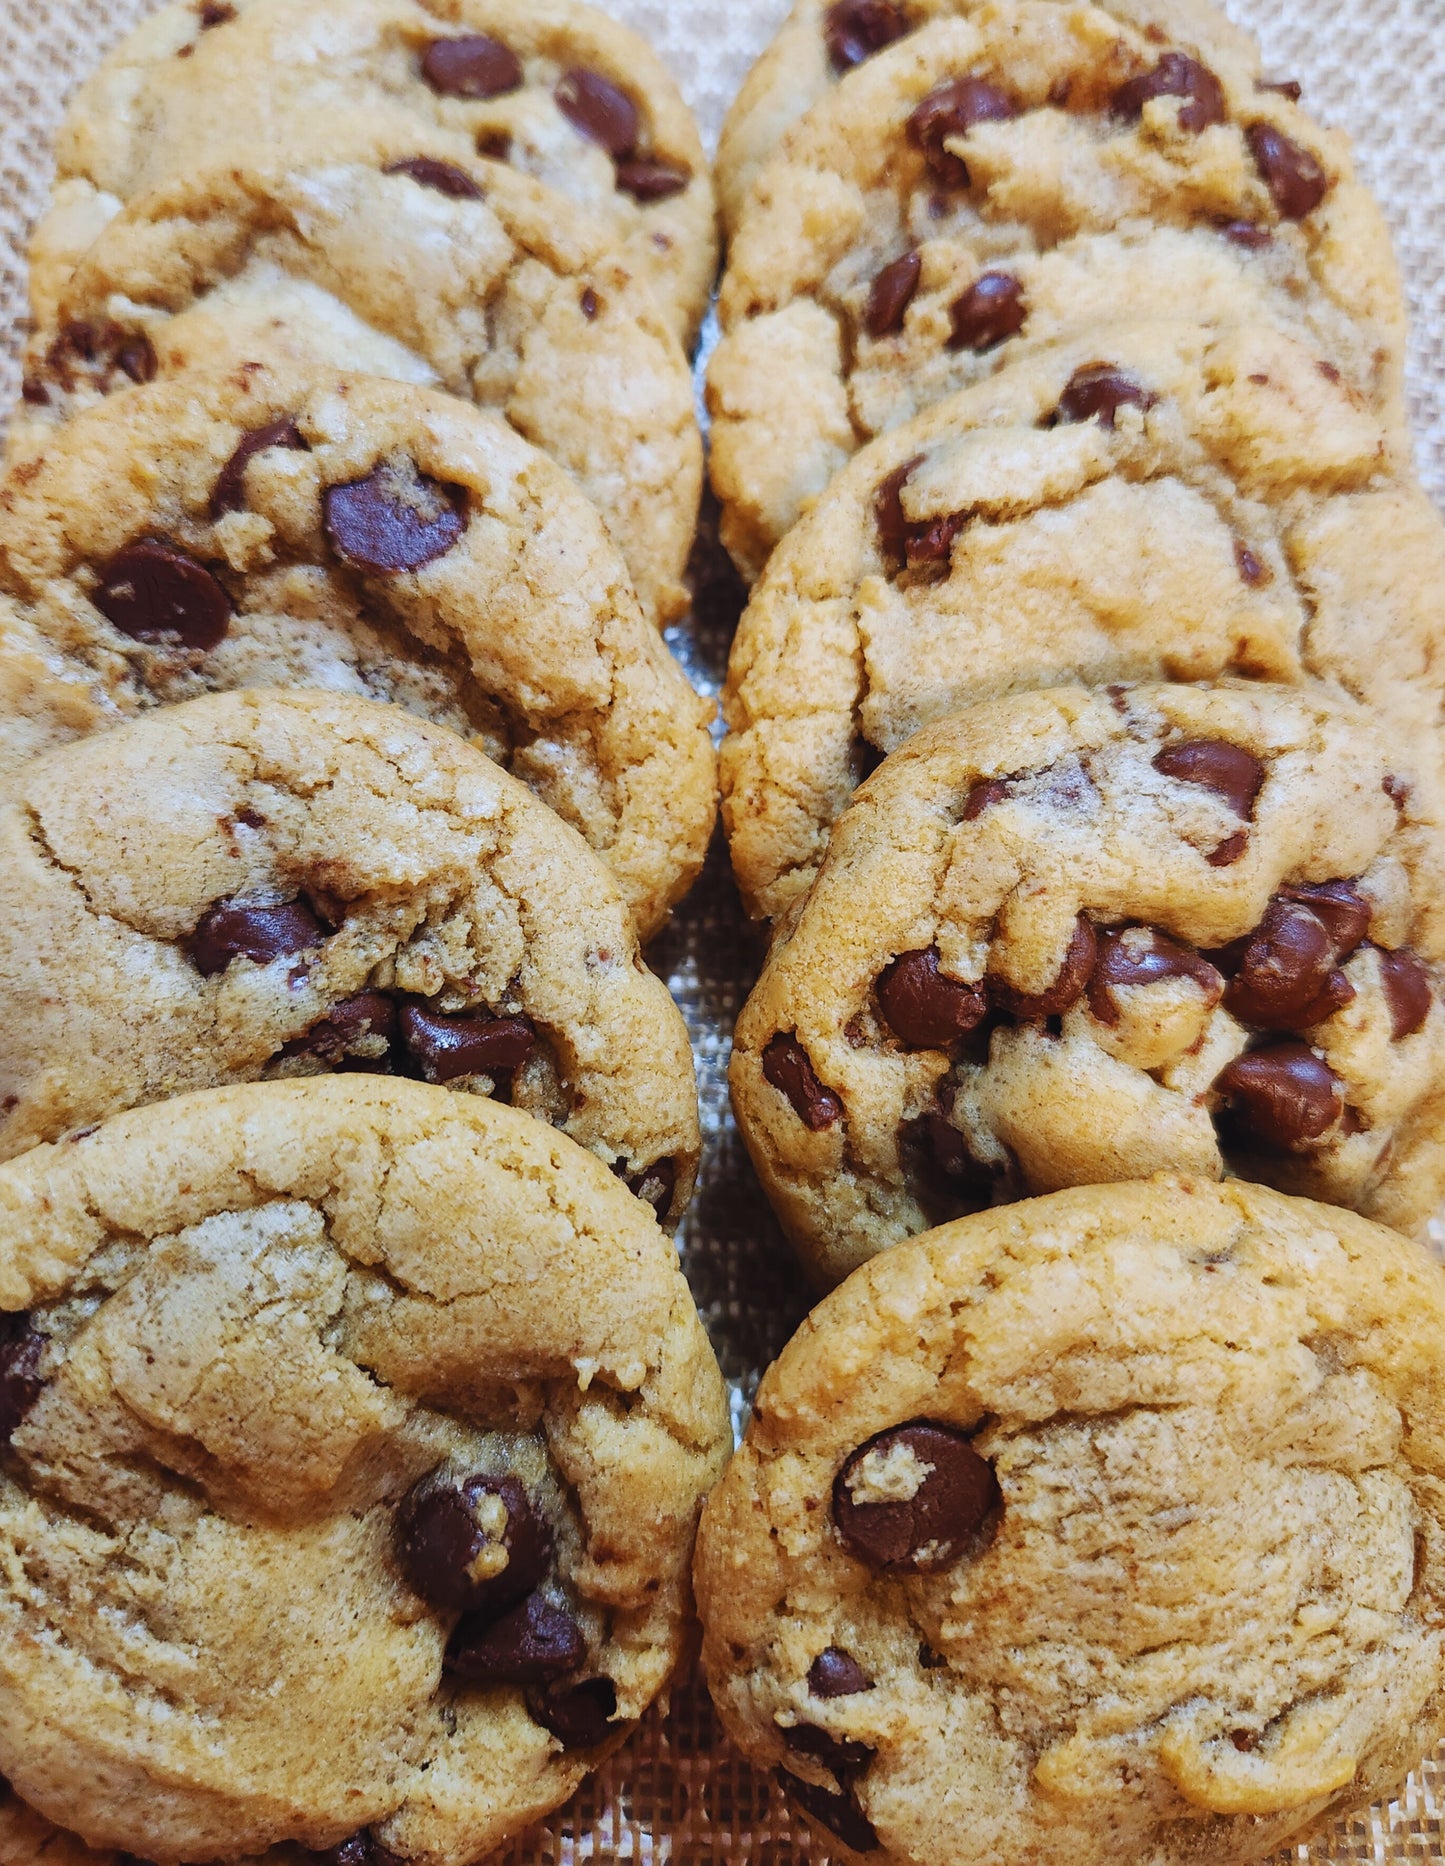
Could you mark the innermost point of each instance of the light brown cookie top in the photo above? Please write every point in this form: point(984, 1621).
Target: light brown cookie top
point(1066, 938)
point(554, 87)
point(355, 1436)
point(402, 255)
point(820, 42)
point(945, 206)
point(272, 884)
point(278, 527)
point(1108, 1527)
point(1152, 502)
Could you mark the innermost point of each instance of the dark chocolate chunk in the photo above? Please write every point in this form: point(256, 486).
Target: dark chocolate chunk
point(649, 178)
point(951, 110)
point(1285, 976)
point(1097, 391)
point(992, 310)
point(471, 66)
point(1144, 958)
point(855, 29)
point(21, 1347)
point(1228, 770)
point(891, 294)
point(1067, 988)
point(837, 1674)
point(473, 1043)
point(839, 1813)
point(440, 1539)
point(601, 110)
point(230, 491)
point(531, 1644)
point(1280, 1098)
point(154, 592)
point(444, 177)
point(787, 1067)
point(237, 930)
point(1408, 992)
point(579, 1714)
point(1175, 76)
point(1343, 910)
point(955, 1497)
point(394, 519)
point(924, 1009)
point(1293, 176)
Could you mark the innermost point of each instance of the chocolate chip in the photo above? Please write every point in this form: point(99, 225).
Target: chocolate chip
point(654, 1185)
point(235, 930)
point(1285, 978)
point(1099, 391)
point(444, 177)
point(21, 1347)
point(1244, 1740)
point(1225, 854)
point(136, 358)
point(361, 1026)
point(530, 1645)
point(473, 1043)
point(952, 109)
point(957, 1491)
point(964, 1181)
point(1344, 912)
point(1145, 957)
point(842, 1756)
point(839, 1813)
point(787, 1067)
point(648, 179)
point(230, 490)
point(215, 13)
point(448, 1533)
point(888, 514)
point(992, 310)
point(1397, 789)
point(1283, 87)
point(471, 66)
point(855, 29)
point(599, 109)
point(495, 145)
point(1228, 770)
point(891, 294)
point(1175, 76)
point(1408, 994)
point(578, 1715)
point(983, 795)
point(34, 392)
point(1293, 176)
point(1281, 1097)
point(1247, 233)
point(931, 540)
point(362, 1849)
point(924, 1009)
point(154, 592)
point(1251, 570)
point(394, 519)
point(837, 1674)
point(1067, 988)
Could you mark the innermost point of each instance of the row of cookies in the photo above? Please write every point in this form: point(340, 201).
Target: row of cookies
point(338, 742)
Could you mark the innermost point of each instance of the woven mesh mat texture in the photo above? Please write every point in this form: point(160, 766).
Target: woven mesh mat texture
point(677, 1795)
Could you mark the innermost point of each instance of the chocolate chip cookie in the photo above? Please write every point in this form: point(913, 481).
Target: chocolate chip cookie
point(1067, 938)
point(282, 884)
point(494, 287)
point(1149, 503)
point(552, 86)
point(270, 527)
point(823, 40)
point(945, 205)
point(1104, 1528)
point(325, 1520)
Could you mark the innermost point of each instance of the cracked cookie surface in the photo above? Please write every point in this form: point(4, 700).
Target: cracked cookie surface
point(293, 1420)
point(284, 884)
point(1011, 179)
point(554, 87)
point(1069, 938)
point(277, 527)
point(493, 287)
point(1106, 1527)
point(1148, 502)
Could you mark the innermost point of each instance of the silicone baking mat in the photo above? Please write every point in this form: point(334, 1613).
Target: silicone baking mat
point(677, 1795)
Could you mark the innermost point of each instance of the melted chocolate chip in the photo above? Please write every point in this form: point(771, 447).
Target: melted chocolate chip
point(362, 1026)
point(855, 29)
point(891, 294)
point(21, 1347)
point(888, 514)
point(1228, 770)
point(1251, 571)
point(444, 177)
point(394, 519)
point(1225, 854)
point(1281, 1097)
point(530, 1645)
point(964, 1184)
point(1247, 233)
point(154, 592)
point(1067, 988)
point(992, 310)
point(837, 1674)
point(234, 930)
point(648, 178)
point(1293, 176)
point(924, 1009)
point(1344, 912)
point(952, 110)
point(1098, 391)
point(844, 1757)
point(578, 1715)
point(230, 491)
point(136, 358)
point(1408, 994)
point(982, 796)
point(957, 1492)
point(787, 1067)
point(597, 107)
point(471, 66)
point(654, 1185)
point(443, 1534)
point(473, 1043)
point(1175, 76)
point(1145, 958)
point(839, 1813)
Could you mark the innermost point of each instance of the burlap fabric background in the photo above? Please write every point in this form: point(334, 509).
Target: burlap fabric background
point(1376, 68)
